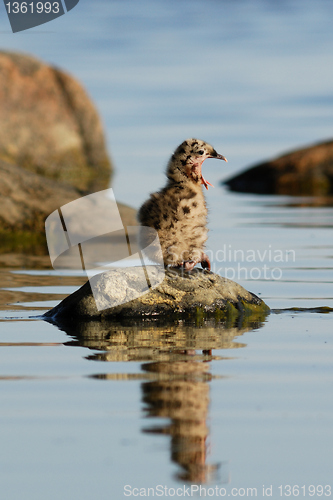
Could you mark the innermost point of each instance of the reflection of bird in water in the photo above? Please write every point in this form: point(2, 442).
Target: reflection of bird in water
point(182, 395)
point(178, 211)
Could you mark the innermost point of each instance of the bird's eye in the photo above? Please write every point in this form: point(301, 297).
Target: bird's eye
point(200, 152)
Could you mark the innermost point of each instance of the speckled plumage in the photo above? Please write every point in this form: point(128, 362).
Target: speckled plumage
point(178, 211)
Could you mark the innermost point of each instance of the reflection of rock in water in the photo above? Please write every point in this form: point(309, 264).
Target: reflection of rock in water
point(154, 340)
point(184, 398)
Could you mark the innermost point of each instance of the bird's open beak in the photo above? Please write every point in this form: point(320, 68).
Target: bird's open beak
point(203, 180)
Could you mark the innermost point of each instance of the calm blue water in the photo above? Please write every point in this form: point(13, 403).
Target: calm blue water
point(81, 416)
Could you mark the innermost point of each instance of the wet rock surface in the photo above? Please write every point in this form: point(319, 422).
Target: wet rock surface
point(307, 171)
point(195, 294)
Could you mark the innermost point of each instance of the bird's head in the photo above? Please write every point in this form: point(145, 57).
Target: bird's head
point(187, 160)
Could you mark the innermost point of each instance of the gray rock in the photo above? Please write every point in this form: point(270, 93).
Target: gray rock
point(49, 125)
point(121, 293)
point(306, 171)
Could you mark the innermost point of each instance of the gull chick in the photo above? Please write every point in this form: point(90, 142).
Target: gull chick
point(178, 211)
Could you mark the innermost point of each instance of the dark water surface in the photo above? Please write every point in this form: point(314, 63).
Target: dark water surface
point(87, 411)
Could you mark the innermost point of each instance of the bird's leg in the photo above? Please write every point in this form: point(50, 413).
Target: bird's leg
point(205, 262)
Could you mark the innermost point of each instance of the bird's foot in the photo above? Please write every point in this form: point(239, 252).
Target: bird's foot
point(188, 266)
point(205, 262)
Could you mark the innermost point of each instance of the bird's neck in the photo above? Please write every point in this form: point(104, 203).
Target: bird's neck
point(179, 174)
